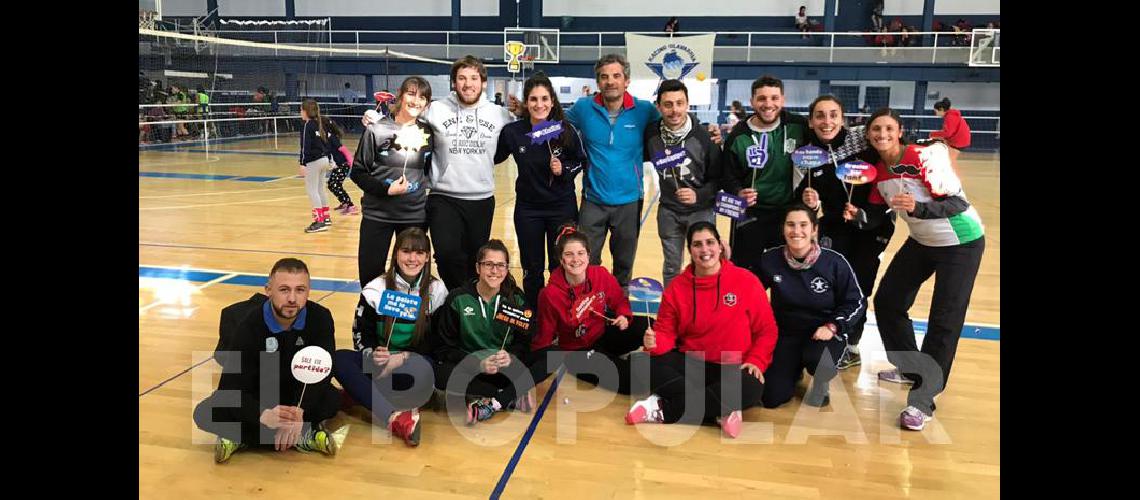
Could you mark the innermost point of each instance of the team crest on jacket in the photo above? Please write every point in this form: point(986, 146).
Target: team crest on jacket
point(819, 285)
point(730, 299)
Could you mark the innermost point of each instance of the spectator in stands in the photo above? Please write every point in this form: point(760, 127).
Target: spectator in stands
point(905, 39)
point(203, 100)
point(672, 26)
point(144, 88)
point(884, 40)
point(347, 95)
point(877, 16)
point(177, 96)
point(961, 28)
point(499, 98)
point(586, 91)
point(802, 22)
point(736, 113)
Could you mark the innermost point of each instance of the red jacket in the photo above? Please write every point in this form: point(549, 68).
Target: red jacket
point(732, 317)
point(556, 318)
point(954, 129)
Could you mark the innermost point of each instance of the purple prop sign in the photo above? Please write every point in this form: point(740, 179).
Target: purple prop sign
point(670, 158)
point(730, 206)
point(809, 157)
point(544, 131)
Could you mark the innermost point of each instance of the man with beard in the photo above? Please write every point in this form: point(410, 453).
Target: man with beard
point(461, 204)
point(758, 167)
point(257, 358)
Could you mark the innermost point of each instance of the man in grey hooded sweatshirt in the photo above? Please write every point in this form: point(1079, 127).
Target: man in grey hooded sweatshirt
point(461, 204)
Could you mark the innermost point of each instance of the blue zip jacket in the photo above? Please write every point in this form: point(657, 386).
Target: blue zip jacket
point(613, 176)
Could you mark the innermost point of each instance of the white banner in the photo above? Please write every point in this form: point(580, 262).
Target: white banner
point(664, 58)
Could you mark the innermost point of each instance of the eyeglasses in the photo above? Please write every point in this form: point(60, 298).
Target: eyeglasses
point(498, 266)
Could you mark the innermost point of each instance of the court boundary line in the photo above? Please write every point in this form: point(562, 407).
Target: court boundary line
point(183, 372)
point(514, 461)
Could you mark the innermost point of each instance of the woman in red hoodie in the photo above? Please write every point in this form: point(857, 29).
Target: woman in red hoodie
point(954, 131)
point(713, 314)
point(566, 324)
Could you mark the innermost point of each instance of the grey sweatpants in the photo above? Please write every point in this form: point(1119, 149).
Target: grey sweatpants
point(316, 175)
point(672, 227)
point(623, 224)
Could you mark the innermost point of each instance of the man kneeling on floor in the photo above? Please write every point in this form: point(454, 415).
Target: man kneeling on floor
point(253, 405)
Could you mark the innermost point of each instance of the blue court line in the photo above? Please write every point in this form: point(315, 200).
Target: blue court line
point(179, 374)
point(208, 177)
point(247, 279)
point(257, 178)
point(178, 274)
point(526, 437)
point(648, 209)
point(172, 175)
point(159, 270)
point(969, 331)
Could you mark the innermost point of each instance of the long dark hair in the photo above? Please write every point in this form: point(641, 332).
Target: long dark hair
point(413, 239)
point(894, 115)
point(539, 79)
point(326, 126)
point(509, 288)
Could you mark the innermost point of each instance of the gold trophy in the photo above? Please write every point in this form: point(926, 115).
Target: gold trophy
point(514, 49)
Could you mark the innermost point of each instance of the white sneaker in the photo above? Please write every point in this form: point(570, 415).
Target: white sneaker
point(647, 410)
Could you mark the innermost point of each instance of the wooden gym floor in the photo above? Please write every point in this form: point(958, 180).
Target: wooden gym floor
point(212, 224)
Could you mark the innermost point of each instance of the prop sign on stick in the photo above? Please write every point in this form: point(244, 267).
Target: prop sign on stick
point(310, 365)
point(671, 159)
point(730, 206)
point(542, 133)
point(855, 173)
point(410, 139)
point(645, 291)
point(513, 317)
point(383, 97)
point(591, 303)
point(808, 157)
point(398, 305)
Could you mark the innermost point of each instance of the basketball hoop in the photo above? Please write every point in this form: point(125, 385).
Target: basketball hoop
point(146, 19)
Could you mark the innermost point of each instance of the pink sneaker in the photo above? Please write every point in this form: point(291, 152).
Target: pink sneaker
point(731, 424)
point(647, 410)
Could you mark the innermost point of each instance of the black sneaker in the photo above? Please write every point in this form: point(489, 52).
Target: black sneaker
point(317, 226)
point(849, 359)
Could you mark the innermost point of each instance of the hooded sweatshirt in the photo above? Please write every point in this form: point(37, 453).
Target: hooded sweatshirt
point(725, 314)
point(954, 129)
point(700, 171)
point(465, 141)
point(556, 322)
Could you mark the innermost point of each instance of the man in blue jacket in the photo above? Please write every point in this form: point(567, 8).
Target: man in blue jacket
point(612, 124)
